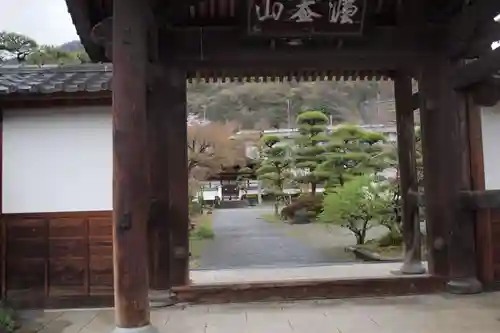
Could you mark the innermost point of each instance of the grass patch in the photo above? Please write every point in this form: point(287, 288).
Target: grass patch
point(203, 227)
point(199, 237)
point(271, 218)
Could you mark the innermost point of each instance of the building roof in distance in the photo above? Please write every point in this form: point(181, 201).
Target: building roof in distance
point(47, 79)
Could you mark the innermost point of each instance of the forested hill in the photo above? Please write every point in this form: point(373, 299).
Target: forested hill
point(265, 105)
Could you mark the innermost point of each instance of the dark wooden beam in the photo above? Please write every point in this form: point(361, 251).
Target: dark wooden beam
point(463, 29)
point(229, 48)
point(446, 171)
point(477, 70)
point(274, 291)
point(408, 180)
point(476, 200)
point(130, 179)
point(486, 93)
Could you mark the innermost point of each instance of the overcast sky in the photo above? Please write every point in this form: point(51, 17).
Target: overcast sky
point(46, 21)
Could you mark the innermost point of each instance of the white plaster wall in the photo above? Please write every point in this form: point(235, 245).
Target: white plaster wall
point(57, 160)
point(490, 121)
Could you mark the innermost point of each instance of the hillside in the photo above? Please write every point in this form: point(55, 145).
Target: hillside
point(265, 105)
point(73, 46)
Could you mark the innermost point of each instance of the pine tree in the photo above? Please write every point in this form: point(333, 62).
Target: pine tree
point(353, 152)
point(275, 168)
point(310, 150)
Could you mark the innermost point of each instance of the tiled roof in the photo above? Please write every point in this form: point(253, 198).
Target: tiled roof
point(28, 79)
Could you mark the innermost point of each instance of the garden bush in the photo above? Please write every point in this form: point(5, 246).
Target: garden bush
point(313, 204)
point(203, 232)
point(355, 206)
point(7, 319)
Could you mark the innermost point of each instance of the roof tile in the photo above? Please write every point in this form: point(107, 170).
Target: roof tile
point(25, 79)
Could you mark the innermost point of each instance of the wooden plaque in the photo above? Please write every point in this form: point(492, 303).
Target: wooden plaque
point(299, 18)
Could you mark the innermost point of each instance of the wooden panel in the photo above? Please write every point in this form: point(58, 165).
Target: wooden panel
point(49, 257)
point(495, 244)
point(100, 255)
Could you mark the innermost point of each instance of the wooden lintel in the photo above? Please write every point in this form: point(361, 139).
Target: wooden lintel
point(229, 48)
point(475, 200)
point(477, 70)
point(291, 61)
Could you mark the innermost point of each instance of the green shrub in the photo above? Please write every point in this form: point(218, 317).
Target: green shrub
point(204, 231)
point(355, 206)
point(7, 319)
point(312, 203)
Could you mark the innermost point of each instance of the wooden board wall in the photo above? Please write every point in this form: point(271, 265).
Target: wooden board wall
point(494, 219)
point(56, 259)
point(487, 220)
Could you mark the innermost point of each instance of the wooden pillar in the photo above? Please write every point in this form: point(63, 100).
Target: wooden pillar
point(176, 135)
point(408, 179)
point(130, 177)
point(159, 218)
point(169, 211)
point(444, 143)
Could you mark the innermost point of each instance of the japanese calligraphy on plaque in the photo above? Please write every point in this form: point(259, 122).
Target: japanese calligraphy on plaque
point(306, 17)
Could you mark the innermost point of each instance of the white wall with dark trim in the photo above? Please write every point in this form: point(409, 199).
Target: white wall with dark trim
point(490, 122)
point(57, 160)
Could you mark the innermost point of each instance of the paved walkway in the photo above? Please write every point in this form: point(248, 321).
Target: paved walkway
point(414, 314)
point(243, 240)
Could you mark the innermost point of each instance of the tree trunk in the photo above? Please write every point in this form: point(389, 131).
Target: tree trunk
point(313, 189)
point(360, 238)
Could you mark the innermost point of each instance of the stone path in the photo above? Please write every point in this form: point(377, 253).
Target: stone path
point(243, 240)
point(414, 314)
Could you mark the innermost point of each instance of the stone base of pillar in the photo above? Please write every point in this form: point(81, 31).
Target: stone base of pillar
point(467, 286)
point(143, 329)
point(414, 268)
point(161, 299)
